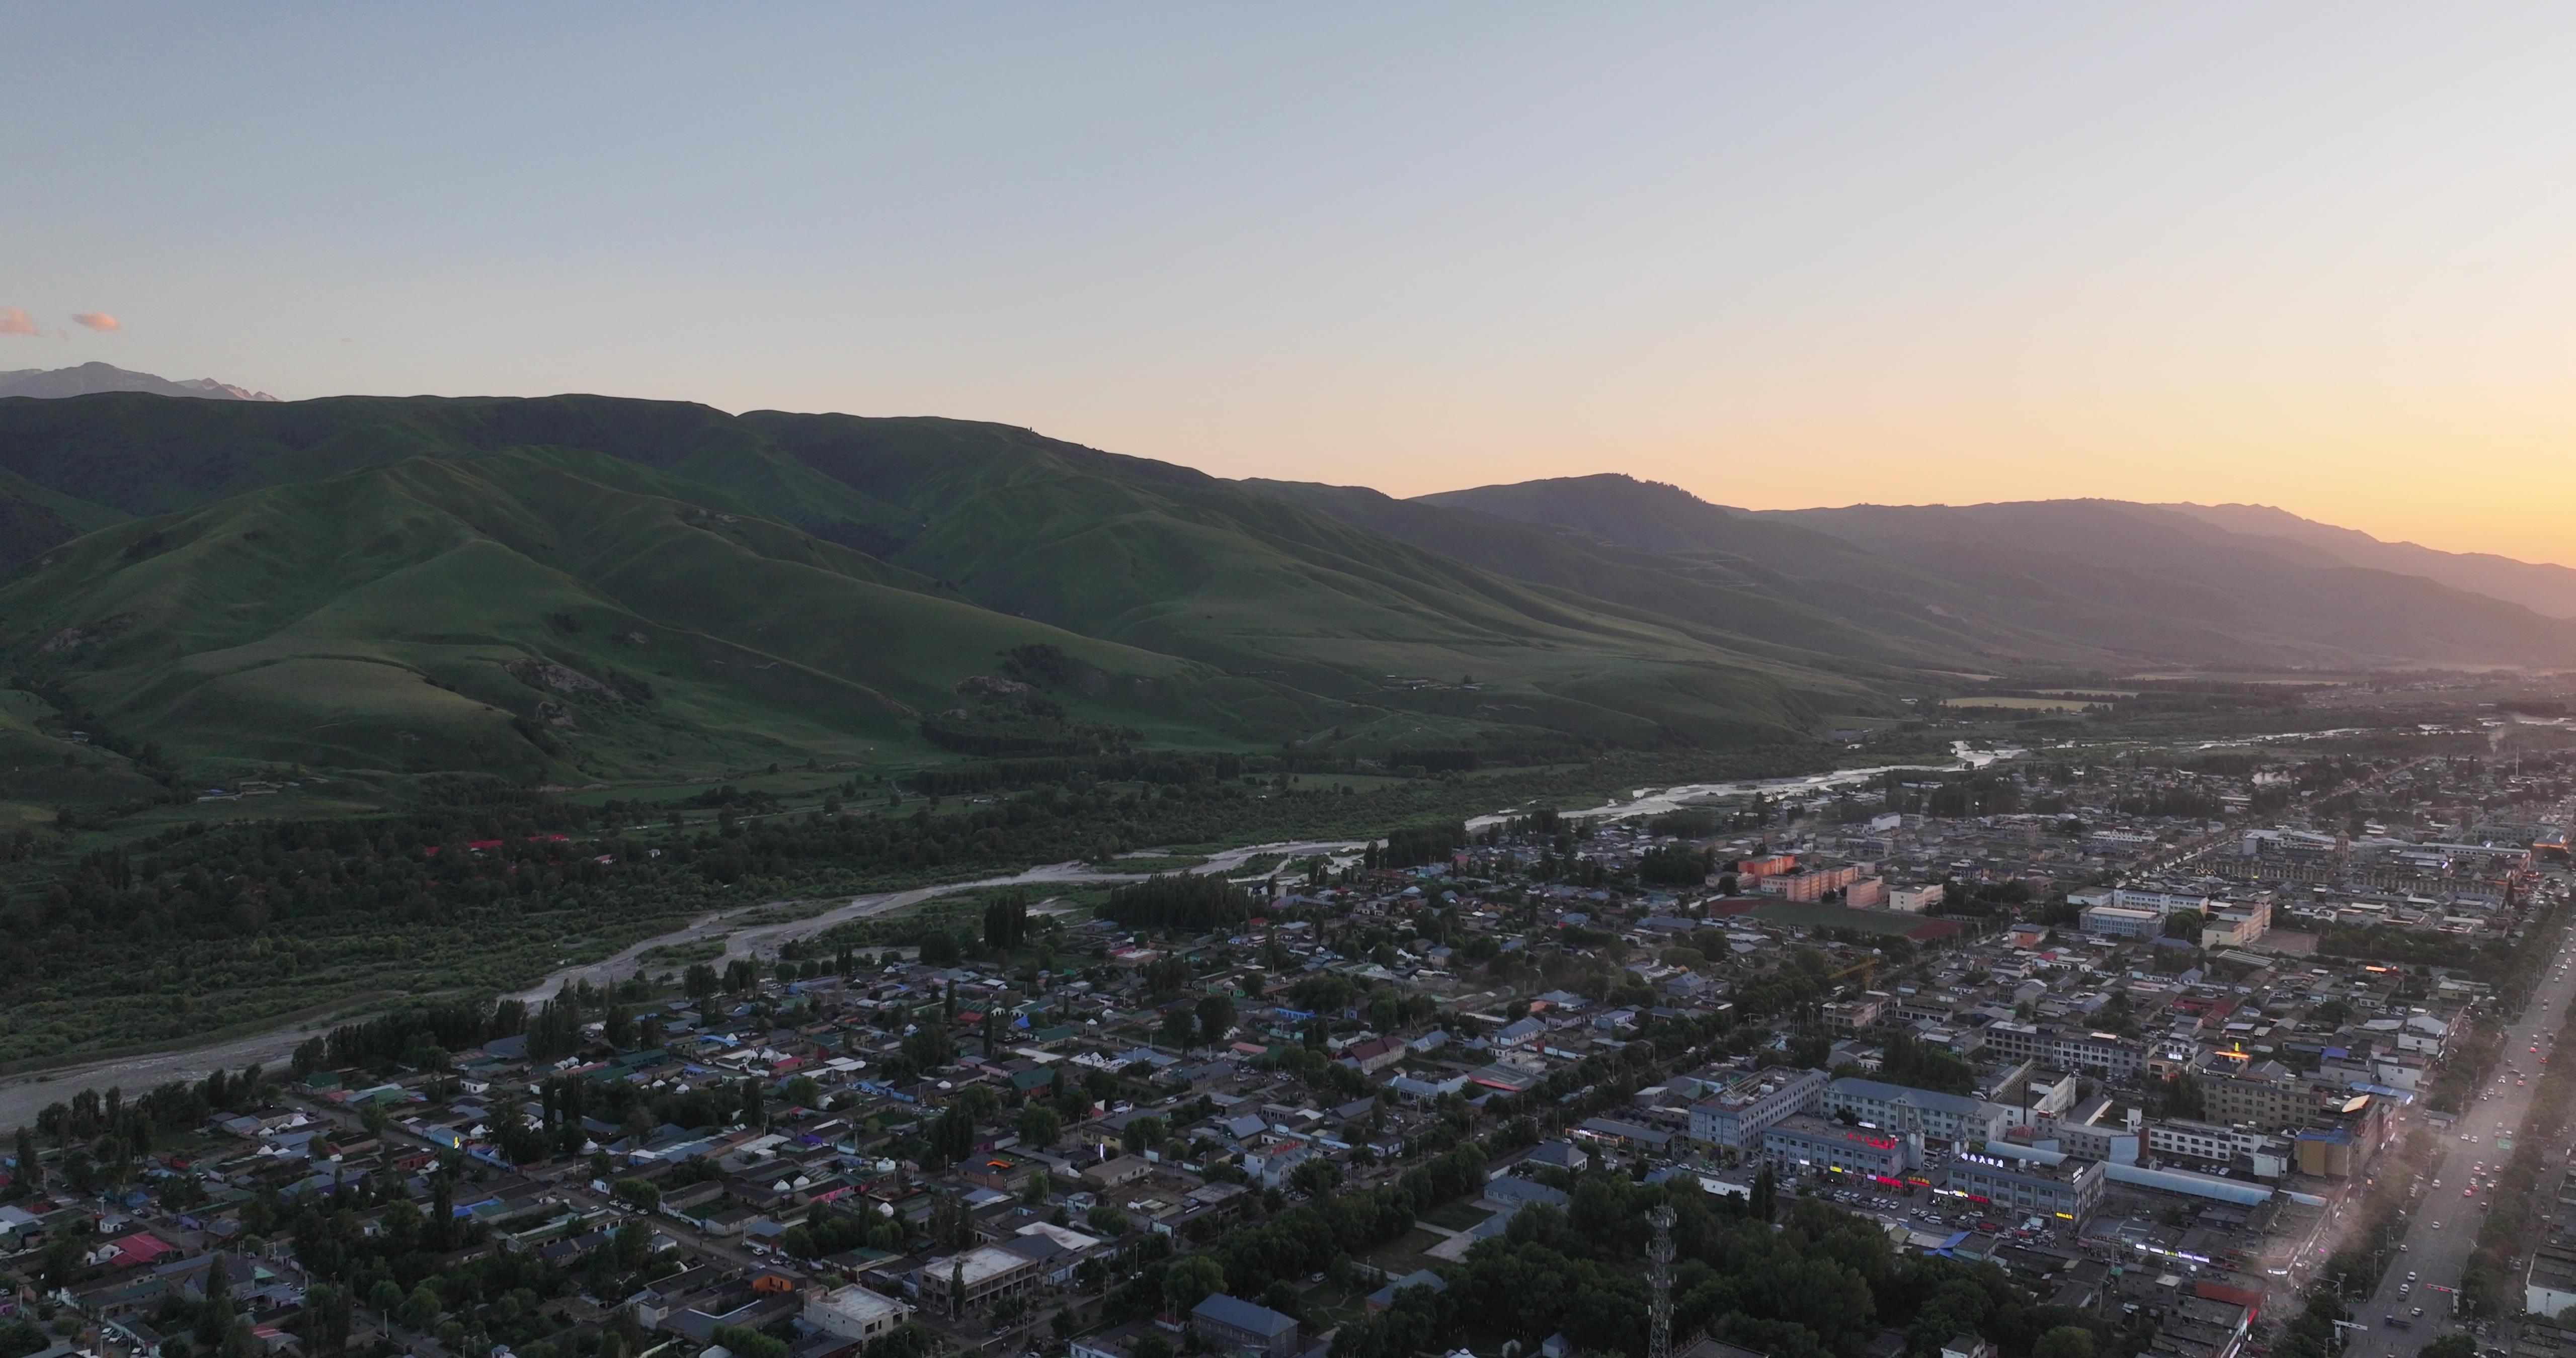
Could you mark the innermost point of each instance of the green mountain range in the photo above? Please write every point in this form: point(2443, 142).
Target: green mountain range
point(575, 589)
point(578, 588)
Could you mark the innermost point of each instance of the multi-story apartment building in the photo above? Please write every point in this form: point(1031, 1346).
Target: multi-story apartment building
point(1809, 882)
point(2067, 1049)
point(2112, 921)
point(1954, 1118)
point(1802, 1145)
point(2235, 924)
point(2255, 1098)
point(2069, 1188)
point(2160, 901)
point(1734, 1116)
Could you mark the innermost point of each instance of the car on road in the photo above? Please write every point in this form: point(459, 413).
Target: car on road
point(2418, 1313)
point(2410, 1275)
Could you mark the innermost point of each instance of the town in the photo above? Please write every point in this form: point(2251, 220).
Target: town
point(2245, 1052)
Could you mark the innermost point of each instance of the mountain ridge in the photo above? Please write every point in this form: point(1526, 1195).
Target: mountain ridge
point(2127, 582)
point(88, 378)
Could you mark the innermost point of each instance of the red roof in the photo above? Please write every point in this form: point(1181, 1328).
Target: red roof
point(142, 1247)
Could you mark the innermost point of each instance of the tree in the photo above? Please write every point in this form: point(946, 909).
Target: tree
point(1038, 1126)
point(1216, 1017)
point(420, 1310)
point(641, 1194)
point(1766, 1195)
point(632, 1246)
point(30, 1167)
point(1107, 1220)
point(1190, 1279)
point(2069, 1341)
point(1143, 1134)
point(1039, 1186)
point(19, 1337)
point(1315, 1177)
point(748, 1342)
point(215, 1312)
point(2182, 924)
point(1180, 1028)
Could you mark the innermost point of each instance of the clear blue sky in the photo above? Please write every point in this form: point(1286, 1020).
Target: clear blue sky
point(2315, 255)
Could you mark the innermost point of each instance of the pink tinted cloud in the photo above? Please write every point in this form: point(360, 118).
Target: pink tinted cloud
point(95, 320)
point(13, 321)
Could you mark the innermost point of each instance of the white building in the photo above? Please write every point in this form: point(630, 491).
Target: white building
point(2116, 921)
point(853, 1312)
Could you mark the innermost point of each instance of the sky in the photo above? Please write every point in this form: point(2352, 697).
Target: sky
point(2321, 256)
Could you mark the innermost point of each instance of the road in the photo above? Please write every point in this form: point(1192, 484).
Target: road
point(22, 1097)
point(2443, 1225)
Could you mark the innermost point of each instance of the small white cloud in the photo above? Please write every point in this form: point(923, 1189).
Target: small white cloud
point(95, 320)
point(13, 321)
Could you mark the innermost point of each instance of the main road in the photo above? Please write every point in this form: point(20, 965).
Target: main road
point(2442, 1224)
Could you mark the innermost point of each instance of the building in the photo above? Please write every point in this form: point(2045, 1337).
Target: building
point(1869, 893)
point(2255, 1098)
point(1231, 1325)
point(2189, 1140)
point(2113, 1143)
point(2066, 1049)
point(2550, 1287)
point(1736, 1114)
point(1374, 1055)
point(1913, 900)
point(1955, 1118)
point(1800, 1146)
point(1384, 1297)
point(2039, 1185)
point(2160, 903)
point(2112, 921)
point(2233, 925)
point(988, 1273)
point(1856, 1015)
point(1809, 883)
point(1111, 1173)
point(1763, 866)
point(853, 1312)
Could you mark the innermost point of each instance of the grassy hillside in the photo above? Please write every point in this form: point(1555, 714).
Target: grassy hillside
point(514, 614)
point(584, 589)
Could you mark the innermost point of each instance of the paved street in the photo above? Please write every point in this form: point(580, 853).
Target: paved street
point(2441, 1229)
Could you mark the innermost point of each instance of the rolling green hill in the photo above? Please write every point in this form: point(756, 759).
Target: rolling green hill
point(580, 588)
point(526, 613)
